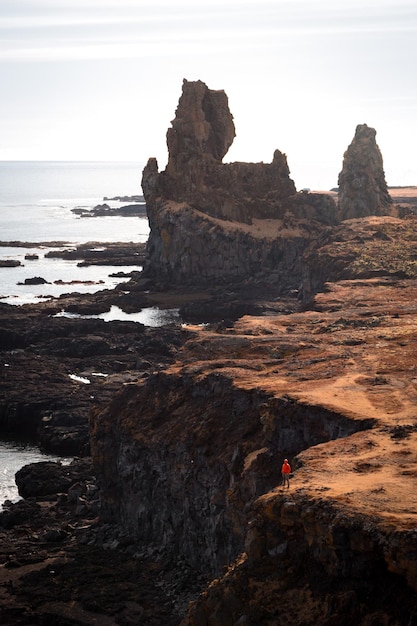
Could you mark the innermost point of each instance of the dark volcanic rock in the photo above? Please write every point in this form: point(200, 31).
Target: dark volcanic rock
point(103, 210)
point(59, 565)
point(201, 134)
point(56, 368)
point(94, 253)
point(9, 263)
point(212, 221)
point(46, 478)
point(196, 453)
point(362, 187)
point(36, 280)
point(186, 247)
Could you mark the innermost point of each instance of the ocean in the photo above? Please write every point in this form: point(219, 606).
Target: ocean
point(36, 202)
point(36, 199)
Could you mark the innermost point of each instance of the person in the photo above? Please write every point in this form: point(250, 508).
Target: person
point(286, 471)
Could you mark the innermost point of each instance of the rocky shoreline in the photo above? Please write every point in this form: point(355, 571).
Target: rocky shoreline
point(49, 535)
point(296, 338)
point(57, 540)
point(60, 565)
point(57, 544)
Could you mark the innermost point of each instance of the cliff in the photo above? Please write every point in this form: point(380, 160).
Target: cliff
point(191, 424)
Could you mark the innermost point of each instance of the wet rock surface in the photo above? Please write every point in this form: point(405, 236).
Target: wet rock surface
point(54, 369)
point(103, 210)
point(94, 253)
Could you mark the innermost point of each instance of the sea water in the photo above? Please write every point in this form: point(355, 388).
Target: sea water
point(36, 202)
point(36, 199)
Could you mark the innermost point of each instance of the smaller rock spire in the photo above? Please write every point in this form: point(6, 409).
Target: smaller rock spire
point(362, 187)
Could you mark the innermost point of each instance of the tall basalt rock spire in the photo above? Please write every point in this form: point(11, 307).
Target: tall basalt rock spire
point(203, 125)
point(362, 187)
point(212, 221)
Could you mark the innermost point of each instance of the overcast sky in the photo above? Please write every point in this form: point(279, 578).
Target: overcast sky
point(101, 79)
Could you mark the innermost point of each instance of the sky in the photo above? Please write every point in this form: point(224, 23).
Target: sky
point(101, 79)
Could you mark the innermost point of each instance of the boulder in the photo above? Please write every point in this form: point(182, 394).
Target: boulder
point(46, 478)
point(36, 280)
point(42, 479)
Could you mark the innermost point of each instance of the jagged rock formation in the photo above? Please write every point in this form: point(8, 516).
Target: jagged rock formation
point(211, 220)
point(201, 134)
point(362, 187)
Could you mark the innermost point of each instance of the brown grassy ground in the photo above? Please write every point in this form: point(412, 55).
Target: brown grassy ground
point(357, 355)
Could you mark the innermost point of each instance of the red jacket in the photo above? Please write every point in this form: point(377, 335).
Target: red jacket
point(286, 468)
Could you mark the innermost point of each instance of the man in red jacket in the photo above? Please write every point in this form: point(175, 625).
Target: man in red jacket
point(286, 471)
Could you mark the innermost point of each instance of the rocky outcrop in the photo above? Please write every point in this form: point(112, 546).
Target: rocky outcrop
point(108, 254)
point(188, 461)
point(214, 221)
point(200, 136)
point(188, 247)
point(189, 490)
point(362, 187)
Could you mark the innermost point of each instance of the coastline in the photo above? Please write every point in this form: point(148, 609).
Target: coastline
point(333, 368)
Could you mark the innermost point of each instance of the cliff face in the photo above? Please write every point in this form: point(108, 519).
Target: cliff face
point(182, 458)
point(187, 246)
point(362, 187)
point(308, 562)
